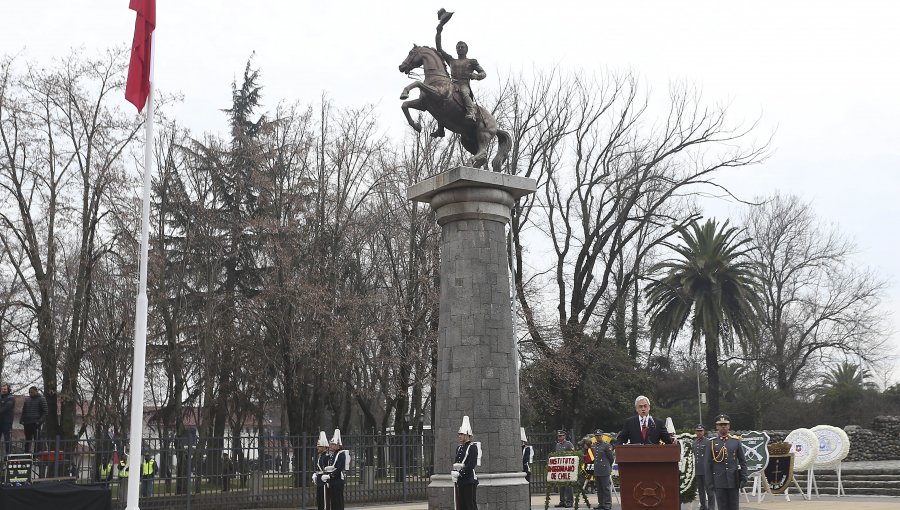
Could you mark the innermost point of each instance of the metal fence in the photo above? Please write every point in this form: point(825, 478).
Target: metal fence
point(265, 472)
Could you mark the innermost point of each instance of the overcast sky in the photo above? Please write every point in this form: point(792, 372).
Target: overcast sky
point(822, 75)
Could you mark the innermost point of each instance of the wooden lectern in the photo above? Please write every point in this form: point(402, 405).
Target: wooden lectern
point(648, 476)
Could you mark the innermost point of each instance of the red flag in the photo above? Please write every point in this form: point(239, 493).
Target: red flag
point(137, 88)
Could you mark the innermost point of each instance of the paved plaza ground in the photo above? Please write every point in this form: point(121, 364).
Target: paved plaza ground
point(770, 503)
point(796, 503)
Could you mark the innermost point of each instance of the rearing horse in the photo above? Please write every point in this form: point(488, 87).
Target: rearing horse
point(436, 97)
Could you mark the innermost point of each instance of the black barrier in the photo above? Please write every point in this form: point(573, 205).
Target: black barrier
point(55, 495)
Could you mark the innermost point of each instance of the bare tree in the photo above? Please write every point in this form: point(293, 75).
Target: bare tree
point(821, 306)
point(613, 184)
point(63, 141)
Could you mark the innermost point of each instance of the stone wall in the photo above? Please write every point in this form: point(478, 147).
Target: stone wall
point(880, 442)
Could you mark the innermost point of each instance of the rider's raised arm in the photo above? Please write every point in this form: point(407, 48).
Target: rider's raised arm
point(437, 44)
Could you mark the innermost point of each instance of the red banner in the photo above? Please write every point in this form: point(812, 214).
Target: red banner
point(137, 88)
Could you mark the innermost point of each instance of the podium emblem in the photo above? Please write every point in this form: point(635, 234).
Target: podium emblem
point(649, 496)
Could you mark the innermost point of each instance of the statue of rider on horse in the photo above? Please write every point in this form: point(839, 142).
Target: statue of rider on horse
point(449, 99)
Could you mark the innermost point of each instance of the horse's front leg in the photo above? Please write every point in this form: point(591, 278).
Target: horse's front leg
point(414, 85)
point(416, 104)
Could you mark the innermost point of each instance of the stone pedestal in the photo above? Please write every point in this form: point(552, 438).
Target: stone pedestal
point(477, 373)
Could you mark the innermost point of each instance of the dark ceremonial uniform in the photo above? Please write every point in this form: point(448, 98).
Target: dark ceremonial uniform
point(339, 463)
point(728, 469)
point(527, 459)
point(603, 461)
point(705, 491)
point(320, 461)
point(467, 482)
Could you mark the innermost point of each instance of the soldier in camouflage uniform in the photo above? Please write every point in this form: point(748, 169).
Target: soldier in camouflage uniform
point(726, 464)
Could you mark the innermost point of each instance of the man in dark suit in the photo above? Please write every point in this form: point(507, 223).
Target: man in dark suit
point(643, 428)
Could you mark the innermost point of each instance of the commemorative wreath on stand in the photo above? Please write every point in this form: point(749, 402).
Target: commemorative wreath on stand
point(563, 471)
point(687, 471)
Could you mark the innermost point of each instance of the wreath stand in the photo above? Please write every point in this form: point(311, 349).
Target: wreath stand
point(768, 489)
point(840, 484)
point(811, 482)
point(577, 487)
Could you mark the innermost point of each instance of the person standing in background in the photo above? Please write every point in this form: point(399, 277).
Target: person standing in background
point(566, 494)
point(7, 411)
point(34, 413)
point(603, 461)
point(335, 475)
point(320, 461)
point(527, 456)
point(705, 491)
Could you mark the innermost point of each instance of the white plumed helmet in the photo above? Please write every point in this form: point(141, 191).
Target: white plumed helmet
point(524, 437)
point(466, 427)
point(323, 439)
point(336, 438)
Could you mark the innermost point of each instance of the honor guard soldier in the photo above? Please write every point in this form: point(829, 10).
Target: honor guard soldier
point(603, 461)
point(321, 461)
point(527, 456)
point(334, 473)
point(465, 480)
point(705, 490)
point(727, 465)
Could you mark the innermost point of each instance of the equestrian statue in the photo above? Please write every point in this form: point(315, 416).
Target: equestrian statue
point(449, 99)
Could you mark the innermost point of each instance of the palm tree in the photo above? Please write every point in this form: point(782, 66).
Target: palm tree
point(715, 283)
point(845, 378)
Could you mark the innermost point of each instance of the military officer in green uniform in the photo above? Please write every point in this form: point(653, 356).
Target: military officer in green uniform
point(726, 465)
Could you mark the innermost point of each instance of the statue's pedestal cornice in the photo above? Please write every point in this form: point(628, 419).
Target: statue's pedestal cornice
point(464, 193)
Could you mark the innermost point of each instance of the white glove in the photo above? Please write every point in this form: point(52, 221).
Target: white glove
point(454, 475)
point(458, 466)
point(325, 478)
point(329, 469)
point(314, 478)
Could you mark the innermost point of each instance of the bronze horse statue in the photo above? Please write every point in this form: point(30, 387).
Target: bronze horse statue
point(437, 98)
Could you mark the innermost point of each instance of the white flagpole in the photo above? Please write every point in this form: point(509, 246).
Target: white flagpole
point(140, 319)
